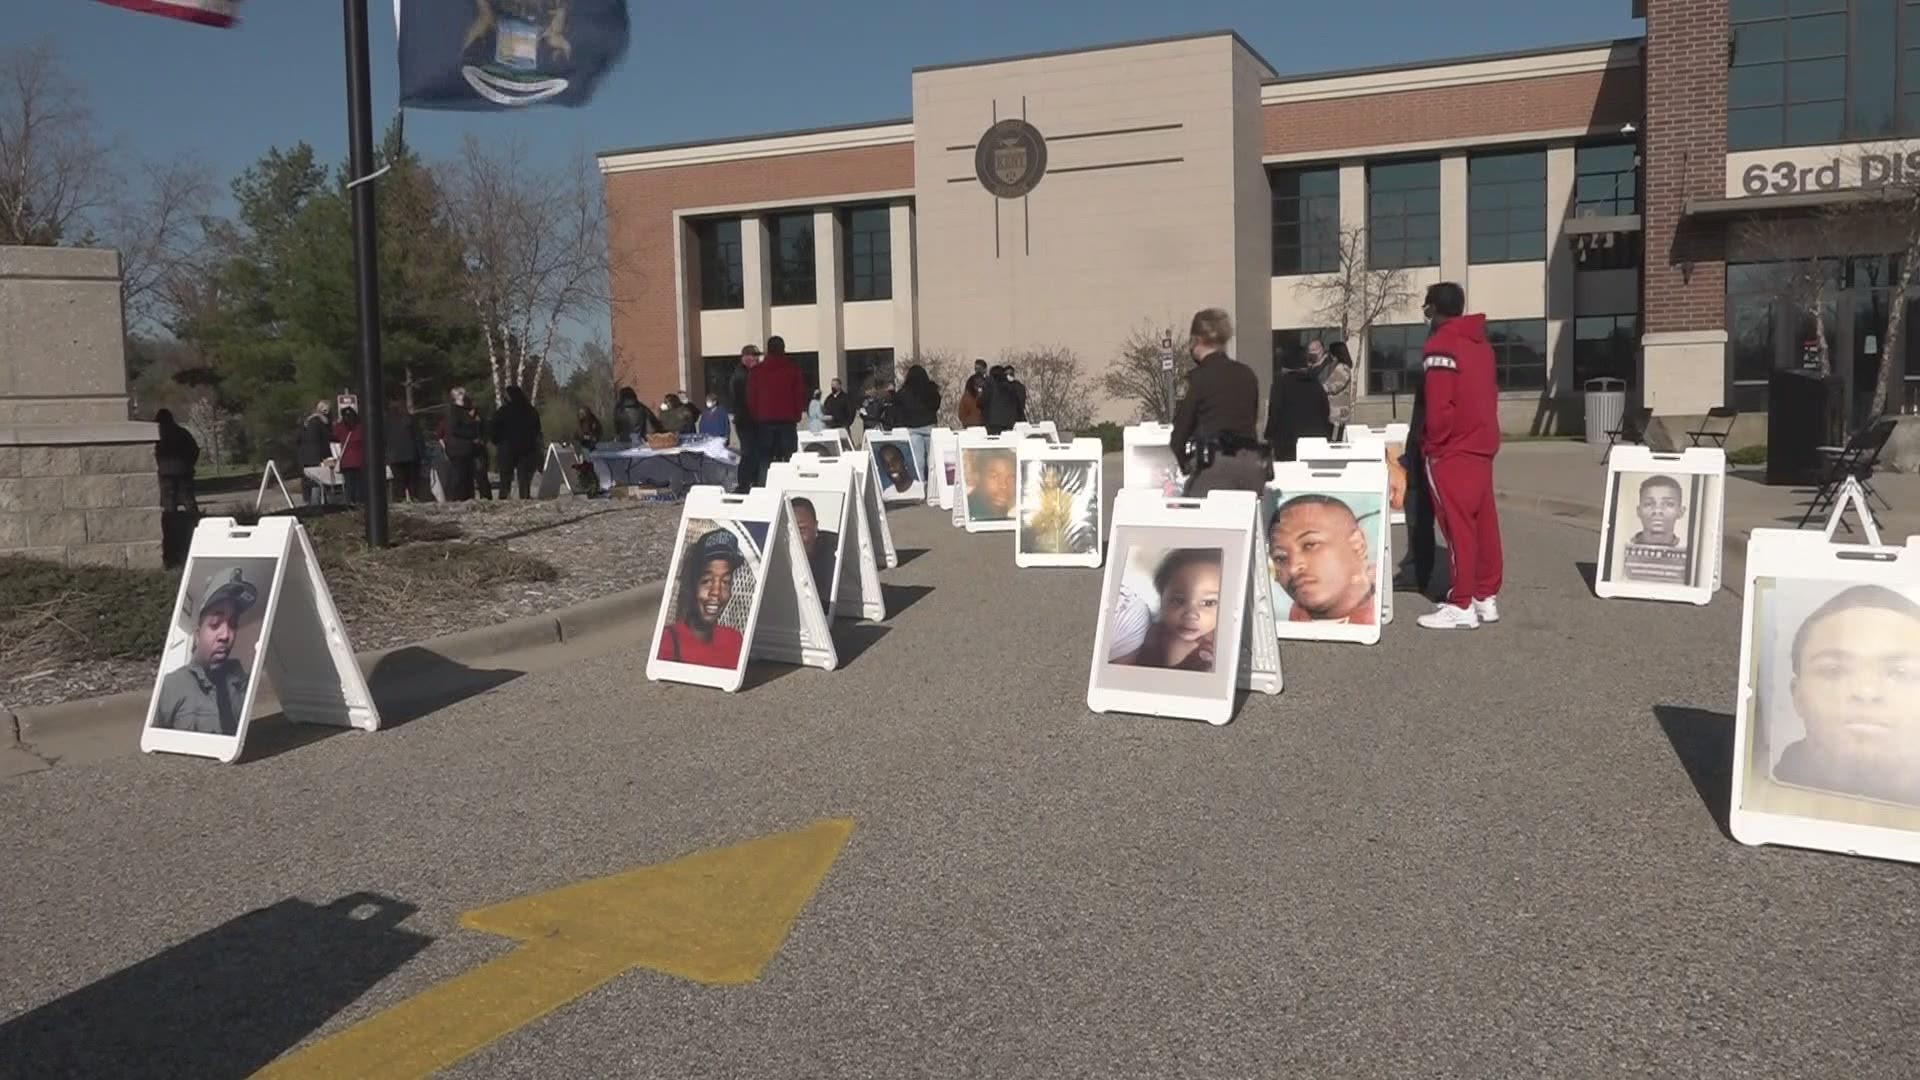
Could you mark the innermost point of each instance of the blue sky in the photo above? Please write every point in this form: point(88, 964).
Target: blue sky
point(704, 70)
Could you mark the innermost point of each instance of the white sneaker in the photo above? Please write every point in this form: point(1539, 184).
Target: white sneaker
point(1487, 610)
point(1448, 617)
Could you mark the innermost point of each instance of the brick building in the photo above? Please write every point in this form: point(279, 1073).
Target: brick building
point(1622, 208)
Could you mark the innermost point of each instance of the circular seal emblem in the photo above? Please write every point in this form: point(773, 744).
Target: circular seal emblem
point(1010, 159)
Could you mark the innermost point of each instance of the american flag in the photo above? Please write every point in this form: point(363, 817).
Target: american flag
point(220, 13)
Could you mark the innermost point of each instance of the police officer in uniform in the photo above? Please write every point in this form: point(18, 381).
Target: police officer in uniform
point(1214, 428)
point(206, 694)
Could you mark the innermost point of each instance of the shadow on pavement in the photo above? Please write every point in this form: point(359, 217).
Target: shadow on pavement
point(1589, 573)
point(852, 641)
point(410, 683)
point(907, 555)
point(901, 597)
point(222, 1004)
point(1703, 741)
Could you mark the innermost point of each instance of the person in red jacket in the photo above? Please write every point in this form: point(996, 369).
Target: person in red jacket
point(1459, 436)
point(353, 455)
point(776, 399)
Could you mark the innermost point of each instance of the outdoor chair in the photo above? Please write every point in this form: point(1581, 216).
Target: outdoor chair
point(1631, 432)
point(1856, 460)
point(1716, 427)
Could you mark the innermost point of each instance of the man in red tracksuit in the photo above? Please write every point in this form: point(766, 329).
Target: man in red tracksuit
point(1459, 437)
point(776, 399)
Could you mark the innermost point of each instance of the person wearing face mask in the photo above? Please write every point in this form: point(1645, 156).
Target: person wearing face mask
point(1460, 434)
point(1215, 428)
point(715, 420)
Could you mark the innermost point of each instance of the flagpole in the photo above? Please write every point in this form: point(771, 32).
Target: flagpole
point(366, 271)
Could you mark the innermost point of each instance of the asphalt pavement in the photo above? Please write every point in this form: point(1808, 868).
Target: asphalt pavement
point(1488, 854)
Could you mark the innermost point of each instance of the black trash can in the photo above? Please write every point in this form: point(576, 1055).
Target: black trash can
point(1797, 425)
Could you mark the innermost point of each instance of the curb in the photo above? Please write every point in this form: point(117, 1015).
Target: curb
point(398, 665)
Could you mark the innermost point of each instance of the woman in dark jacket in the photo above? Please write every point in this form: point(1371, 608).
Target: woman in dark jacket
point(917, 408)
point(517, 432)
point(403, 454)
point(462, 437)
point(1006, 401)
point(1297, 408)
point(632, 421)
point(175, 456)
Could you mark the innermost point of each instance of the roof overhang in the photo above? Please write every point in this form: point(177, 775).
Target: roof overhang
point(1620, 223)
point(1787, 203)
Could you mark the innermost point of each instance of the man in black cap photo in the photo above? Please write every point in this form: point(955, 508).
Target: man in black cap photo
point(705, 590)
point(207, 693)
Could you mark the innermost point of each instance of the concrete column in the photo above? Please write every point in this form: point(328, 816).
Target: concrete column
point(1453, 218)
point(1560, 270)
point(1353, 219)
point(829, 254)
point(686, 292)
point(756, 276)
point(906, 307)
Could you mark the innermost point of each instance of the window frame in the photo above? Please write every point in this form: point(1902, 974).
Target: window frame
point(1413, 342)
point(1632, 322)
point(706, 234)
point(1905, 103)
point(1502, 364)
point(1375, 245)
point(1309, 218)
point(784, 278)
point(1612, 205)
point(876, 281)
point(1508, 208)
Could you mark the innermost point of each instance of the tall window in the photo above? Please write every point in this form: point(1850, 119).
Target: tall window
point(1796, 82)
point(717, 373)
point(721, 283)
point(865, 365)
point(1293, 343)
point(1519, 353)
point(1606, 180)
point(869, 253)
point(1394, 356)
point(1507, 203)
point(792, 263)
point(1403, 214)
point(1306, 220)
point(1604, 347)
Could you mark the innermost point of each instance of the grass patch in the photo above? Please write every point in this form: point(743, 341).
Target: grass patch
point(1748, 455)
point(52, 614)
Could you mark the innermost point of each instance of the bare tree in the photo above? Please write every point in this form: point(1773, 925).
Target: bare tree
point(1353, 296)
point(160, 229)
point(210, 424)
point(55, 174)
point(1137, 376)
point(1057, 386)
point(536, 251)
point(1890, 216)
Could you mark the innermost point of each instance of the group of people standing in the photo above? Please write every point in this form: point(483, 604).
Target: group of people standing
point(463, 434)
point(1452, 440)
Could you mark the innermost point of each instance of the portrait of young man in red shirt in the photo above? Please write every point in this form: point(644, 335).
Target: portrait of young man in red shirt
point(706, 588)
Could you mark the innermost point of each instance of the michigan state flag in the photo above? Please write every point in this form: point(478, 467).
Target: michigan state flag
point(506, 54)
point(206, 12)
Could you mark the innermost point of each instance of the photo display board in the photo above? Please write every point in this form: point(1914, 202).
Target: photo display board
point(823, 501)
point(1662, 525)
point(1329, 550)
point(735, 591)
point(988, 481)
point(252, 608)
point(828, 443)
point(1039, 427)
point(1147, 462)
point(1827, 733)
point(896, 469)
point(1174, 607)
point(557, 472)
point(867, 499)
point(1395, 436)
point(1058, 506)
point(943, 473)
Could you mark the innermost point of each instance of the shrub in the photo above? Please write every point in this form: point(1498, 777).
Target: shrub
point(1057, 386)
point(1748, 455)
point(1109, 433)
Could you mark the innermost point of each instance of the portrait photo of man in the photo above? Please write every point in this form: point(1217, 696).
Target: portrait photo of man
point(709, 576)
point(991, 484)
point(1322, 561)
point(1855, 690)
point(822, 545)
point(1656, 550)
point(897, 473)
point(208, 693)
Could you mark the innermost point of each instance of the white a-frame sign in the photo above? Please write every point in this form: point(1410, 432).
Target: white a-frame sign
point(271, 475)
point(556, 473)
point(868, 497)
point(252, 601)
point(943, 450)
point(735, 591)
point(838, 538)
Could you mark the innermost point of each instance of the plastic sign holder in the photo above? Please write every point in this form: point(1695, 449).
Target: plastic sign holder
point(556, 473)
point(1195, 556)
point(1395, 436)
point(271, 475)
point(784, 620)
point(944, 450)
point(829, 443)
point(266, 574)
point(854, 589)
point(881, 445)
point(980, 455)
point(1147, 462)
point(1359, 487)
point(1663, 525)
point(1813, 764)
point(1058, 505)
point(885, 556)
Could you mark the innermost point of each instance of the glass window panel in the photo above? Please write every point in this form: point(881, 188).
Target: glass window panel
point(1816, 80)
point(1760, 43)
point(1757, 9)
point(1871, 107)
point(1817, 123)
point(1806, 7)
point(1757, 84)
point(1753, 129)
point(1824, 35)
point(721, 280)
point(792, 261)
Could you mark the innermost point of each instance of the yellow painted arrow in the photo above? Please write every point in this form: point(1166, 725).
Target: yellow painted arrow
point(713, 917)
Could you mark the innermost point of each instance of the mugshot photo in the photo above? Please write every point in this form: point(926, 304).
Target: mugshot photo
point(897, 468)
point(1654, 528)
point(1837, 696)
point(712, 598)
point(816, 517)
point(1322, 556)
point(1166, 612)
point(1060, 507)
point(211, 660)
point(991, 475)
